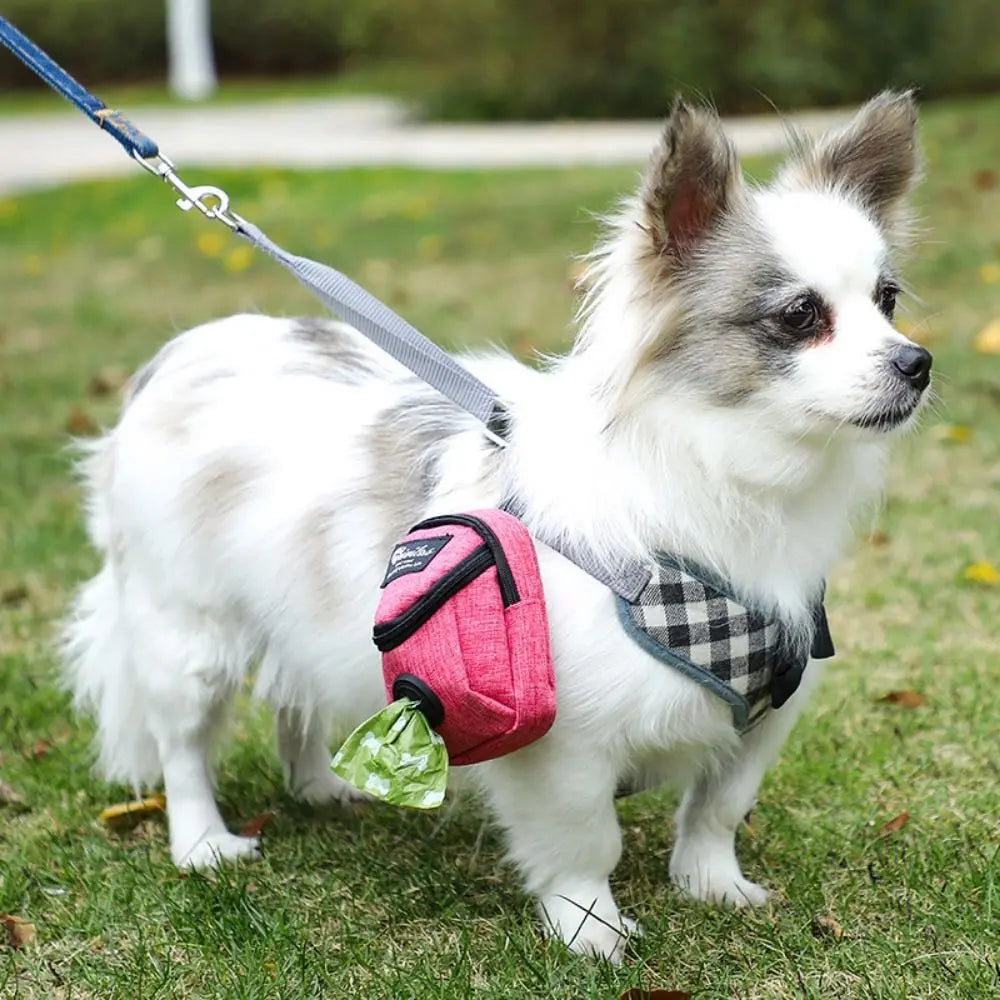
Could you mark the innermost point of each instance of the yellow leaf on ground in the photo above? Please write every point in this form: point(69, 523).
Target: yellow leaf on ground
point(127, 814)
point(238, 260)
point(32, 265)
point(988, 339)
point(982, 572)
point(430, 247)
point(417, 209)
point(989, 273)
point(211, 244)
point(959, 433)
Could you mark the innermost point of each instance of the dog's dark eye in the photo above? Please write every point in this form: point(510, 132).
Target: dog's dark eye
point(802, 316)
point(887, 300)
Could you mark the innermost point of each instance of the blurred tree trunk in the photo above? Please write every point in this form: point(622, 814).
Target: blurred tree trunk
point(189, 46)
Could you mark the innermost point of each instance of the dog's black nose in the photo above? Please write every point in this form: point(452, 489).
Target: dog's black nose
point(914, 363)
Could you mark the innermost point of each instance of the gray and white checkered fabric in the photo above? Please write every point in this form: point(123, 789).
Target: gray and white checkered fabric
point(706, 627)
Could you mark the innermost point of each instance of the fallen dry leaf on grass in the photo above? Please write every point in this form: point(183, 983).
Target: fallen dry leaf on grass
point(107, 380)
point(988, 339)
point(906, 698)
point(823, 926)
point(14, 595)
point(39, 750)
point(80, 421)
point(982, 572)
point(984, 179)
point(18, 932)
point(125, 815)
point(253, 827)
point(895, 825)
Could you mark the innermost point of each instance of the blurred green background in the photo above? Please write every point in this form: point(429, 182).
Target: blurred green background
point(495, 59)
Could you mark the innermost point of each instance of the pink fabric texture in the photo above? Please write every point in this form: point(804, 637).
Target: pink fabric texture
point(489, 665)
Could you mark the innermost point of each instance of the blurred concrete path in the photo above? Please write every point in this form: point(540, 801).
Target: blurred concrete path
point(41, 150)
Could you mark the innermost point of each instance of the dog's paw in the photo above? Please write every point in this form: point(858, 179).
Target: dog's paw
point(214, 851)
point(325, 788)
point(738, 892)
point(590, 934)
point(712, 882)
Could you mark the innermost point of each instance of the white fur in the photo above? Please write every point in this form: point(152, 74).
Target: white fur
point(191, 597)
point(838, 254)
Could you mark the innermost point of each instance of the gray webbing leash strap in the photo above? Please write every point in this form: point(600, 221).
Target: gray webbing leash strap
point(373, 318)
point(383, 327)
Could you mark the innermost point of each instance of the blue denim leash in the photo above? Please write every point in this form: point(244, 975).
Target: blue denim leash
point(372, 317)
point(113, 122)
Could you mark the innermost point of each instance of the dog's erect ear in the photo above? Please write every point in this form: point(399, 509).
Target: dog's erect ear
point(874, 158)
point(692, 178)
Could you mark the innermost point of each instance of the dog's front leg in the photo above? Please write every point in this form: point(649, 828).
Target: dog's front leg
point(557, 805)
point(704, 862)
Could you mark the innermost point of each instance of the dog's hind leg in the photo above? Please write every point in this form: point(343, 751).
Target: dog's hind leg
point(198, 834)
point(191, 666)
point(305, 759)
point(563, 835)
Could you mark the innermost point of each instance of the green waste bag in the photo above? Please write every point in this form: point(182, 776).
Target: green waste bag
point(396, 756)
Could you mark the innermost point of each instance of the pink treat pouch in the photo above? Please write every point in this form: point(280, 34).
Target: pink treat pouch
point(463, 632)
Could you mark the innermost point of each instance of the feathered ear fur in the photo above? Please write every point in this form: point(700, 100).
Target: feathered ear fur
point(874, 159)
point(692, 178)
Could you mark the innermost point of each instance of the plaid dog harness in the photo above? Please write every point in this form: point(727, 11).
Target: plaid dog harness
point(692, 623)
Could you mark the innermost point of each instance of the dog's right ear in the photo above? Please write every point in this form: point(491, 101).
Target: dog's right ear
point(692, 178)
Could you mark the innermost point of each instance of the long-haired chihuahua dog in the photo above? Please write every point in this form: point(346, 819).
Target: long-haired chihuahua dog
point(729, 399)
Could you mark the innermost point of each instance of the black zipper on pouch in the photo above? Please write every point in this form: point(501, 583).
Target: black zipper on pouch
point(388, 635)
point(508, 585)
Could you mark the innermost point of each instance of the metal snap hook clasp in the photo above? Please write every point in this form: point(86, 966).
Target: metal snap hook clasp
point(195, 197)
point(211, 201)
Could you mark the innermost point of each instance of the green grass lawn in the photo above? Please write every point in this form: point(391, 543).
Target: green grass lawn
point(381, 903)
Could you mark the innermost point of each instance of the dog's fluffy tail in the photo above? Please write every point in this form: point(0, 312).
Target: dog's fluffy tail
point(96, 654)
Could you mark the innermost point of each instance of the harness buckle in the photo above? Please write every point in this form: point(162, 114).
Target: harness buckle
point(211, 201)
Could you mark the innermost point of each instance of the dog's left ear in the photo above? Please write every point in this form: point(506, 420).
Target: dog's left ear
point(875, 158)
point(692, 178)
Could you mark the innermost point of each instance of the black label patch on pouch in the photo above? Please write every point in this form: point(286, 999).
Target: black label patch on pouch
point(413, 556)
